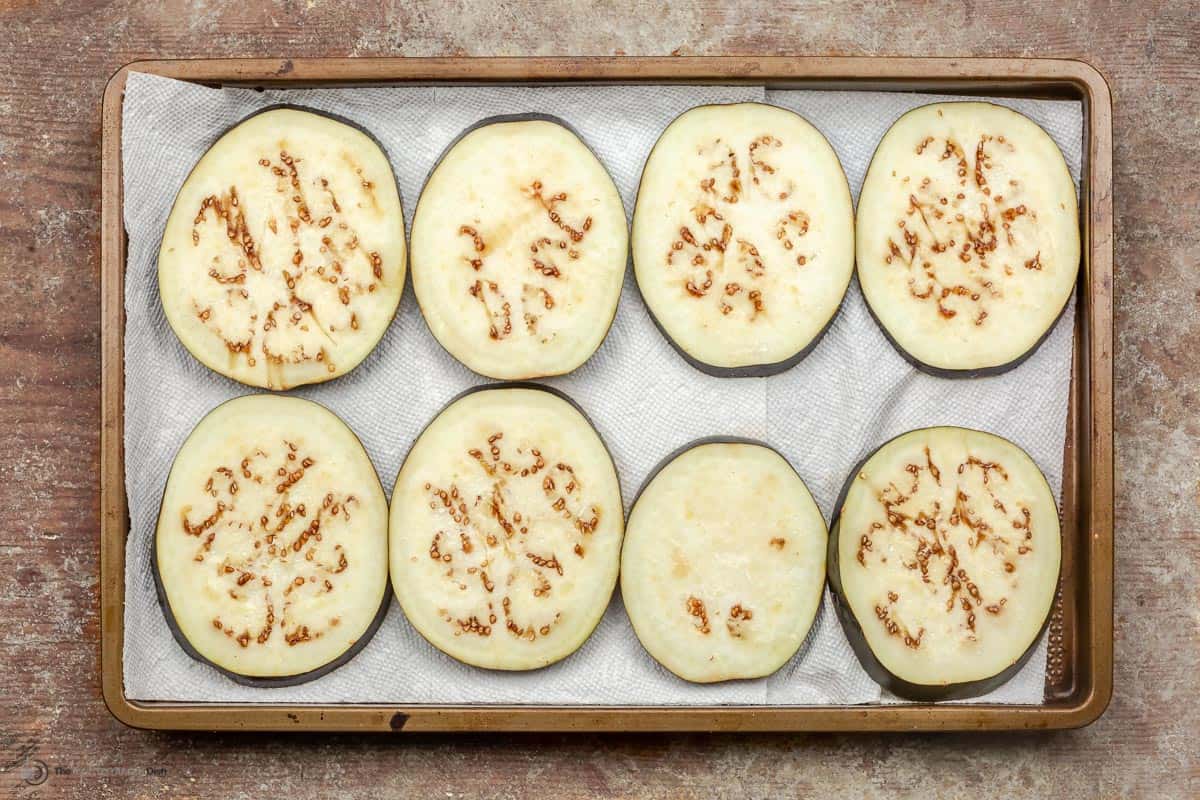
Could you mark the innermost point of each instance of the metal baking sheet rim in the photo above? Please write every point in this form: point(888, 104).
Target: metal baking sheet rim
point(1079, 674)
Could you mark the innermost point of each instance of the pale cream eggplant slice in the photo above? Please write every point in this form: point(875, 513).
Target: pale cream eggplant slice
point(944, 561)
point(743, 237)
point(270, 556)
point(723, 565)
point(519, 246)
point(506, 526)
point(968, 237)
point(283, 258)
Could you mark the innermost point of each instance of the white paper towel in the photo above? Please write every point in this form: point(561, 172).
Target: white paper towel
point(850, 394)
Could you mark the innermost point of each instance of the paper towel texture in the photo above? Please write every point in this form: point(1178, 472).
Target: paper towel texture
point(852, 393)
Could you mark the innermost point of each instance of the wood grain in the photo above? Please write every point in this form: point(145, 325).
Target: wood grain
point(1081, 642)
point(56, 59)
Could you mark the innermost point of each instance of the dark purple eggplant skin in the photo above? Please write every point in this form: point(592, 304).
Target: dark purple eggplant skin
point(748, 370)
point(929, 369)
point(336, 118)
point(537, 387)
point(281, 681)
point(676, 453)
point(963, 374)
point(858, 641)
point(327, 114)
point(531, 116)
point(561, 395)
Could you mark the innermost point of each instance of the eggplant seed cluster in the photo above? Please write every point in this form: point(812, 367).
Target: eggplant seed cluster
point(283, 262)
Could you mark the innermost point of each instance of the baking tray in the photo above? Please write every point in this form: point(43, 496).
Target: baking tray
point(1079, 669)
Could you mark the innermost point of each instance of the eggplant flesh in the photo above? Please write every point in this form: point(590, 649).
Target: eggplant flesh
point(270, 550)
point(967, 237)
point(723, 565)
point(743, 237)
point(506, 526)
point(519, 247)
point(944, 559)
point(283, 258)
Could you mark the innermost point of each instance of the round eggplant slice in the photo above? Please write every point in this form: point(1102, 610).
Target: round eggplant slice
point(283, 258)
point(944, 559)
point(723, 566)
point(506, 526)
point(968, 237)
point(743, 237)
point(270, 553)
point(519, 247)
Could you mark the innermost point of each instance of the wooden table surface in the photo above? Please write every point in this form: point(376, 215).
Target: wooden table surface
point(55, 59)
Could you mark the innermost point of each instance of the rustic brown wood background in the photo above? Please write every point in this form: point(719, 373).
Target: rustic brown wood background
point(58, 740)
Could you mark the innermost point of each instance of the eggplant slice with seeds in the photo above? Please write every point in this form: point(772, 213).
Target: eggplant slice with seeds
point(968, 237)
point(283, 258)
point(723, 565)
point(270, 556)
point(519, 247)
point(743, 237)
point(944, 560)
point(506, 526)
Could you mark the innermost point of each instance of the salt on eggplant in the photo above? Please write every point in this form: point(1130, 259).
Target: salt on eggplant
point(270, 553)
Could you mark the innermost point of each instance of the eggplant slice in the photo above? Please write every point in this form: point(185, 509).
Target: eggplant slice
point(283, 258)
point(968, 237)
point(506, 526)
point(944, 559)
point(743, 237)
point(723, 565)
point(519, 246)
point(271, 550)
